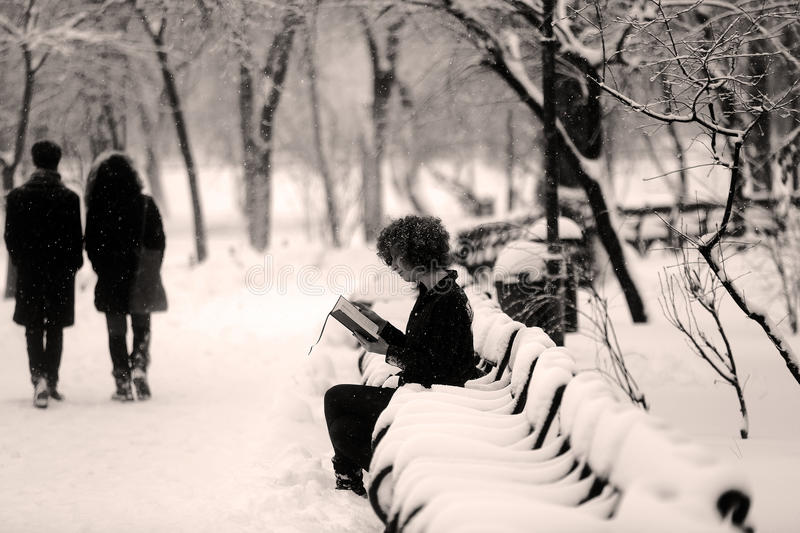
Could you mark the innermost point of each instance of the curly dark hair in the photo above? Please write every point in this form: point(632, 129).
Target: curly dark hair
point(112, 179)
point(422, 241)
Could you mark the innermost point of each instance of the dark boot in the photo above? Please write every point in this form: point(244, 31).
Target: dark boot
point(140, 357)
point(52, 389)
point(120, 360)
point(141, 385)
point(52, 354)
point(348, 477)
point(124, 391)
point(40, 393)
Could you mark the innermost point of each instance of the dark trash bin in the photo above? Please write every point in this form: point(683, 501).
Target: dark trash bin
point(523, 292)
point(573, 247)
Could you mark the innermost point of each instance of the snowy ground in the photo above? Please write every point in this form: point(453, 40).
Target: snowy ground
point(234, 438)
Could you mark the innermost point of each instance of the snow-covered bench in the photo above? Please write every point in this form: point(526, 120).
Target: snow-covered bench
point(625, 471)
point(534, 443)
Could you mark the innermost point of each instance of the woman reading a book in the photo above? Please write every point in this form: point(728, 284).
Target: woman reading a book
point(435, 348)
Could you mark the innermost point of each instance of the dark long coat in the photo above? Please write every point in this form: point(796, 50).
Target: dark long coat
point(43, 237)
point(112, 242)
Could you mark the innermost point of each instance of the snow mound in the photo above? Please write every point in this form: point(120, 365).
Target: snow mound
point(568, 230)
point(518, 257)
point(496, 344)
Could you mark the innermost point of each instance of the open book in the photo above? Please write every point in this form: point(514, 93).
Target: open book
point(350, 317)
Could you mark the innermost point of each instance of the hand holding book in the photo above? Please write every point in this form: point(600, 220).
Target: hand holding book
point(364, 323)
point(369, 313)
point(356, 321)
point(379, 346)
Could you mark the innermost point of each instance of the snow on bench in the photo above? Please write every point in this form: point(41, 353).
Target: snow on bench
point(534, 444)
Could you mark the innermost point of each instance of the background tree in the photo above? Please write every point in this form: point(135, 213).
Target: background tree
point(317, 130)
point(695, 288)
point(383, 60)
point(506, 32)
point(155, 27)
point(713, 87)
point(39, 30)
point(257, 120)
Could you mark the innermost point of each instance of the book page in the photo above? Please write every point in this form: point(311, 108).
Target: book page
point(355, 315)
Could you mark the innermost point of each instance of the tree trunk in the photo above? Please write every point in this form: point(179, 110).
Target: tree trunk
point(106, 132)
point(372, 187)
point(383, 82)
point(510, 160)
point(744, 431)
point(171, 91)
point(186, 152)
point(594, 193)
point(706, 250)
point(608, 237)
point(410, 184)
point(22, 124)
point(116, 127)
point(316, 125)
point(152, 160)
point(413, 162)
point(552, 149)
point(19, 147)
point(256, 219)
point(676, 238)
point(759, 146)
point(257, 150)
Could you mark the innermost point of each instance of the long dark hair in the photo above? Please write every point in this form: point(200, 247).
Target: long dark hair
point(112, 181)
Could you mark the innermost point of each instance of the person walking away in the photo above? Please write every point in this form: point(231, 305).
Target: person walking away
point(43, 237)
point(124, 232)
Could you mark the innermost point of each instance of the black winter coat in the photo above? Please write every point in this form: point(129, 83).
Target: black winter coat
point(112, 241)
point(437, 345)
point(43, 237)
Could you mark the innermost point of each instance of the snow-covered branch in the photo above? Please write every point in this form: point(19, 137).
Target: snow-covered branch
point(753, 313)
point(63, 33)
point(648, 110)
point(569, 42)
point(10, 28)
point(699, 61)
point(679, 294)
point(753, 11)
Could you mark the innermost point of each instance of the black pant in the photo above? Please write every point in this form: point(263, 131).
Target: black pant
point(44, 352)
point(351, 412)
point(121, 359)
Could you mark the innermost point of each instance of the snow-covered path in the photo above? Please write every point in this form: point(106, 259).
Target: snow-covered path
point(233, 439)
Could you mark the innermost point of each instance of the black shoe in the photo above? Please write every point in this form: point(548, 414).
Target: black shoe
point(53, 392)
point(141, 385)
point(124, 392)
point(40, 394)
point(355, 485)
point(349, 478)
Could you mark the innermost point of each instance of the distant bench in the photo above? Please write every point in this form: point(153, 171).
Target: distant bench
point(643, 227)
point(536, 445)
point(646, 225)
